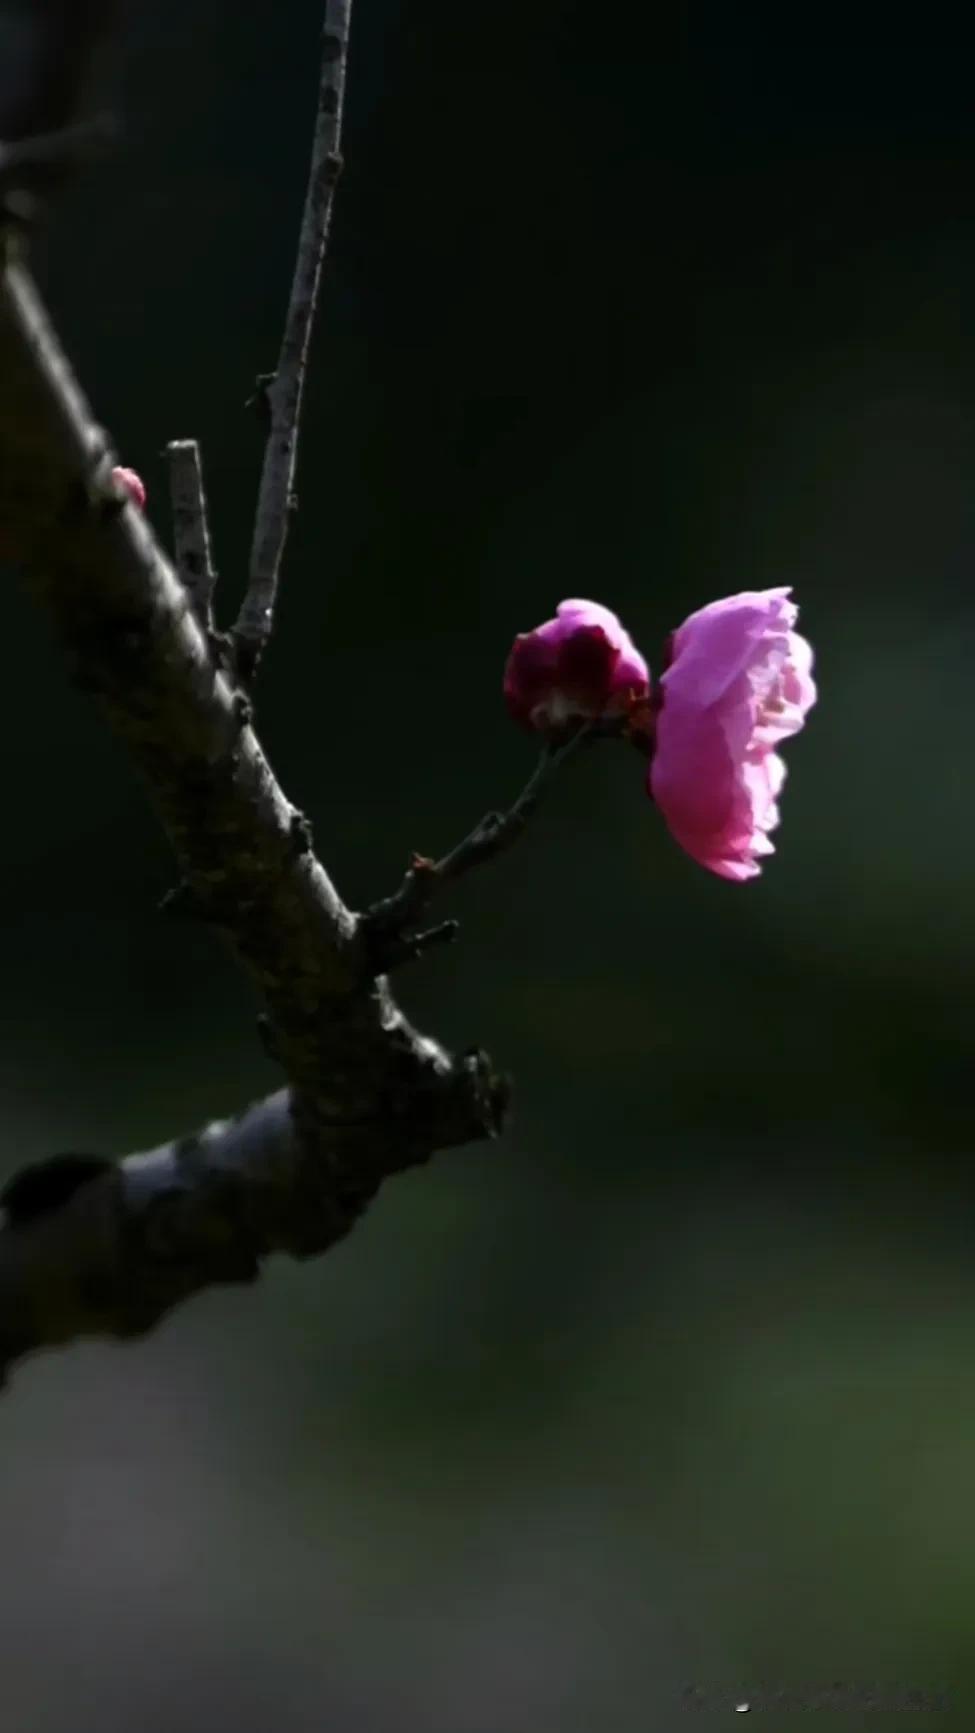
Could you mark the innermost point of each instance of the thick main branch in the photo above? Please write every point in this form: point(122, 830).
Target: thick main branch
point(108, 1249)
point(368, 1095)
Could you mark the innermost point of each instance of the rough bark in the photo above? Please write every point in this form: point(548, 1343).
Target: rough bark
point(367, 1094)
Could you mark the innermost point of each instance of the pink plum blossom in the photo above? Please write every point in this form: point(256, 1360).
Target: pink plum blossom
point(132, 484)
point(582, 665)
point(739, 682)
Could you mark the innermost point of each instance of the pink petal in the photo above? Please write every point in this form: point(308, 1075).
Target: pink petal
point(715, 644)
point(740, 681)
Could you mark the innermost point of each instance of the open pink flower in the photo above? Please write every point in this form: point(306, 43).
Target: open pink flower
point(132, 484)
point(739, 682)
point(581, 665)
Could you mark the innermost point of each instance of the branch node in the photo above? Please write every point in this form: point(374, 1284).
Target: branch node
point(103, 492)
point(243, 710)
point(222, 650)
point(384, 926)
point(301, 835)
point(492, 1090)
point(260, 398)
point(387, 951)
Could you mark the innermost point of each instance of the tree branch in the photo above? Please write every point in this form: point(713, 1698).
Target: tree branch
point(385, 926)
point(368, 1094)
point(89, 1246)
point(191, 532)
point(94, 1248)
point(283, 390)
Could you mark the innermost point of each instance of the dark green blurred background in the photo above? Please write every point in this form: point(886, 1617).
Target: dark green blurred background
point(677, 1385)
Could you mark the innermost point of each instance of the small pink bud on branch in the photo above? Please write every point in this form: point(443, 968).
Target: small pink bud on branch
point(130, 483)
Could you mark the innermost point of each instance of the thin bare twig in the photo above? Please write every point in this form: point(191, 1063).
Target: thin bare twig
point(191, 534)
point(283, 391)
point(385, 927)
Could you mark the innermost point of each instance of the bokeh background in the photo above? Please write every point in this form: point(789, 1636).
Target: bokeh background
point(675, 1387)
